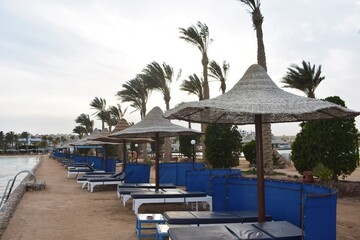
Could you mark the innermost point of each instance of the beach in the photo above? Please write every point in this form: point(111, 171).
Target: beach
point(65, 211)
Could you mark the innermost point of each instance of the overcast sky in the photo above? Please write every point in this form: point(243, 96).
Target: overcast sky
point(57, 56)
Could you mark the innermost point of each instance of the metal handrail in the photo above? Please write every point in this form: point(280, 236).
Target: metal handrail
point(8, 190)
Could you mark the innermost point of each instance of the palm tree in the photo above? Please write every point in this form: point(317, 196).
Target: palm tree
point(115, 113)
point(257, 19)
point(84, 120)
point(219, 73)
point(199, 36)
point(99, 104)
point(10, 139)
point(159, 77)
point(193, 86)
point(303, 78)
point(26, 135)
point(136, 92)
point(2, 140)
point(79, 130)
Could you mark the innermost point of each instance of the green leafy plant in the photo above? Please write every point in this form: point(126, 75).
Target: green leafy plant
point(223, 145)
point(249, 150)
point(331, 142)
point(322, 172)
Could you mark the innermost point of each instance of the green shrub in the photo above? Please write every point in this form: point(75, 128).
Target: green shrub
point(223, 145)
point(322, 172)
point(249, 150)
point(331, 142)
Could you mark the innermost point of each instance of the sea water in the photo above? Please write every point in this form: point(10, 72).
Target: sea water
point(11, 165)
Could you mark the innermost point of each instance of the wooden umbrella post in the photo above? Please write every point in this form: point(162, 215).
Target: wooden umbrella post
point(157, 159)
point(260, 168)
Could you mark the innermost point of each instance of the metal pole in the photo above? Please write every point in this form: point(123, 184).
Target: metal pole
point(136, 147)
point(193, 155)
point(260, 168)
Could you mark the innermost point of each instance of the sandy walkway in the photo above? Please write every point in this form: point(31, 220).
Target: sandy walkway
point(65, 211)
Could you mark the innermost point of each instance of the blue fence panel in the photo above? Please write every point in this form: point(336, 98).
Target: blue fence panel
point(220, 194)
point(175, 173)
point(108, 165)
point(79, 159)
point(201, 180)
point(137, 173)
point(283, 201)
point(319, 212)
point(310, 206)
point(167, 173)
point(242, 194)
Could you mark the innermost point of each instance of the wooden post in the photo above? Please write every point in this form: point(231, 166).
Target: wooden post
point(157, 159)
point(260, 168)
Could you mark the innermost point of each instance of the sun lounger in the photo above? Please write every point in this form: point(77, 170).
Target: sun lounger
point(169, 196)
point(145, 185)
point(281, 230)
point(84, 179)
point(208, 217)
point(125, 193)
point(78, 171)
point(92, 182)
point(125, 189)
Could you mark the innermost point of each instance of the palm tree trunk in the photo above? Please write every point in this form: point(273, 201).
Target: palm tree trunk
point(205, 62)
point(167, 149)
point(144, 152)
point(261, 57)
point(267, 148)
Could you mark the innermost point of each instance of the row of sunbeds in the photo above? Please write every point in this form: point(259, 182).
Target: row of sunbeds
point(227, 222)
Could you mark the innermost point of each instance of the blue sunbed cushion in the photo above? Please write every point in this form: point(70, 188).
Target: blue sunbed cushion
point(250, 216)
point(167, 194)
point(108, 179)
point(201, 233)
point(206, 217)
point(180, 217)
point(126, 191)
point(247, 231)
point(280, 230)
point(80, 170)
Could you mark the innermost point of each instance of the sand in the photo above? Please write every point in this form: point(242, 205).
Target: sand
point(65, 211)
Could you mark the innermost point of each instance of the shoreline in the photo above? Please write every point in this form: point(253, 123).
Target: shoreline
point(9, 207)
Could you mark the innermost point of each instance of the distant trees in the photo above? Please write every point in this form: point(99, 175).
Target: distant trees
point(333, 143)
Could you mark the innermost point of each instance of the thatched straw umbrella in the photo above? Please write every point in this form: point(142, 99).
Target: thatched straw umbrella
point(257, 99)
point(154, 125)
point(104, 137)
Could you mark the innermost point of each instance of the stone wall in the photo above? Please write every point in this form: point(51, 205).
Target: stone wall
point(7, 211)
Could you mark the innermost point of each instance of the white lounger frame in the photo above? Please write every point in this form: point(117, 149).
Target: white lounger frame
point(125, 197)
point(137, 202)
point(91, 185)
point(70, 173)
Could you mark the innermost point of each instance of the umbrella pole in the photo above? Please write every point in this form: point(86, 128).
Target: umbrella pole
point(124, 156)
point(260, 168)
point(157, 159)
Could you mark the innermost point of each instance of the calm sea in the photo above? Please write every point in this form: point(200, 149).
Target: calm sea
point(10, 166)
